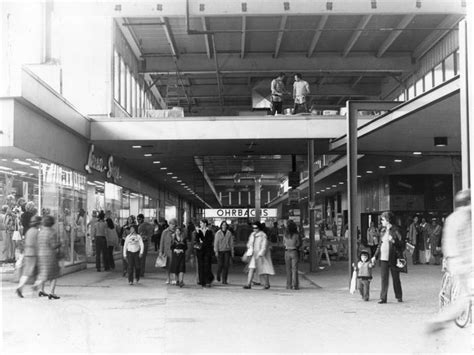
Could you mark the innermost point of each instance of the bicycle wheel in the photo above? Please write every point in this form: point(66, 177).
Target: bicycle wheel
point(463, 319)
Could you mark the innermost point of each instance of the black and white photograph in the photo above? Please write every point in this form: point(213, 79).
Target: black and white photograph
point(236, 176)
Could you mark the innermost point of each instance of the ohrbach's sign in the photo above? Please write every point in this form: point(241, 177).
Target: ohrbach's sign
point(239, 212)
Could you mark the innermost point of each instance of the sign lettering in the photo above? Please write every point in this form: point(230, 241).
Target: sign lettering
point(95, 162)
point(239, 212)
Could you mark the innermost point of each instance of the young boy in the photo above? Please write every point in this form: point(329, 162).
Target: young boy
point(364, 274)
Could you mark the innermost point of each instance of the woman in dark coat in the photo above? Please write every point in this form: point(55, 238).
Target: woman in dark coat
point(178, 258)
point(48, 256)
point(390, 248)
point(30, 254)
point(204, 247)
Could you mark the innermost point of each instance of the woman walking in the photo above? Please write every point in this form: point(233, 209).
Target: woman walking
point(292, 244)
point(224, 249)
point(390, 248)
point(204, 248)
point(30, 254)
point(178, 258)
point(167, 238)
point(111, 237)
point(133, 251)
point(260, 257)
point(98, 235)
point(48, 257)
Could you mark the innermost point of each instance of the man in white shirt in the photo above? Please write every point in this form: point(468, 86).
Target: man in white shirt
point(300, 91)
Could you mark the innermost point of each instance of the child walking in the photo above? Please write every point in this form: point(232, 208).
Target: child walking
point(133, 251)
point(178, 259)
point(364, 274)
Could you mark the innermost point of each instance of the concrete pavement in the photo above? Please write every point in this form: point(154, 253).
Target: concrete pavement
point(100, 312)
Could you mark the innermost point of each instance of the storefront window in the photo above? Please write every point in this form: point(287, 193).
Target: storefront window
point(63, 195)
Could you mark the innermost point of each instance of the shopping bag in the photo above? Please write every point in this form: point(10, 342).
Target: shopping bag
point(411, 248)
point(160, 261)
point(353, 285)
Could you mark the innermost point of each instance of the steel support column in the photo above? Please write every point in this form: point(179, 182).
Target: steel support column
point(258, 187)
point(466, 100)
point(352, 181)
point(313, 257)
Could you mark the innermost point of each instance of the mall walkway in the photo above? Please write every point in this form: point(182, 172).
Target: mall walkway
point(100, 312)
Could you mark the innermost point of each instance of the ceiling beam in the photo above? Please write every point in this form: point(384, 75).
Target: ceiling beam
point(173, 8)
point(356, 81)
point(242, 39)
point(207, 39)
point(394, 34)
point(170, 37)
point(200, 164)
point(450, 21)
point(233, 63)
point(357, 32)
point(317, 35)
point(283, 20)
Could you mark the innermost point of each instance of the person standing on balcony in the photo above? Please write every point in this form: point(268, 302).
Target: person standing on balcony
point(300, 91)
point(278, 90)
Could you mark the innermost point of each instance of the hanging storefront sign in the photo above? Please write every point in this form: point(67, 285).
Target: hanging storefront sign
point(95, 162)
point(239, 212)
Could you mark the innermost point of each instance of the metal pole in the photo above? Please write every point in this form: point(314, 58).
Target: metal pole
point(258, 186)
point(464, 103)
point(352, 182)
point(313, 262)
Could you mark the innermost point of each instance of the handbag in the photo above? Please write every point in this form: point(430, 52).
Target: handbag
point(402, 265)
point(16, 235)
point(353, 284)
point(161, 261)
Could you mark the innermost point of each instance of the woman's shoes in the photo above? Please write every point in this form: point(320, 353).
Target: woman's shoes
point(181, 284)
point(247, 287)
point(266, 287)
point(382, 301)
point(42, 294)
point(18, 293)
point(52, 296)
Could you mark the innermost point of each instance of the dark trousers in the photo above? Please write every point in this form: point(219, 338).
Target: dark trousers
point(299, 108)
point(397, 286)
point(277, 107)
point(223, 262)
point(124, 264)
point(204, 267)
point(364, 288)
point(416, 255)
point(143, 259)
point(291, 263)
point(133, 260)
point(110, 257)
point(101, 249)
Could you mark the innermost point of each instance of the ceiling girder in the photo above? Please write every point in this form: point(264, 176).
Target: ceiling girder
point(394, 34)
point(207, 39)
point(317, 35)
point(283, 20)
point(170, 37)
point(355, 36)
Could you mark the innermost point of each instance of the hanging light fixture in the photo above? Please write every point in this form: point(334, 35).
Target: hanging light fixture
point(440, 141)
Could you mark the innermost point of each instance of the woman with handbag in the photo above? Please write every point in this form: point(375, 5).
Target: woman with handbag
point(390, 251)
point(48, 257)
point(30, 254)
point(165, 246)
point(260, 260)
point(178, 258)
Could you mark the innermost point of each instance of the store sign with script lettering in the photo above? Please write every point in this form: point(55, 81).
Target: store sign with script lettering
point(96, 162)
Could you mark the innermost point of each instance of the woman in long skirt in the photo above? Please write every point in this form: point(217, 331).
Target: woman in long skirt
point(30, 254)
point(48, 257)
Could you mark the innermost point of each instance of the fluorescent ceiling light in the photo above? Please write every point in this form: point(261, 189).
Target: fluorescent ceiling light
point(369, 171)
point(416, 153)
point(136, 146)
point(156, 162)
point(147, 155)
point(397, 160)
point(382, 166)
point(163, 168)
